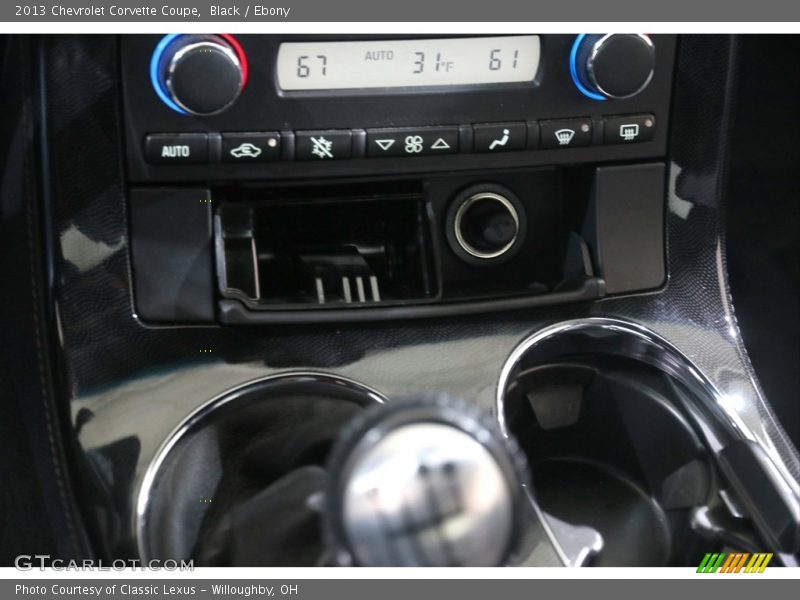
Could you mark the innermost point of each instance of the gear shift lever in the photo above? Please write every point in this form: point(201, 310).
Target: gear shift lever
point(424, 483)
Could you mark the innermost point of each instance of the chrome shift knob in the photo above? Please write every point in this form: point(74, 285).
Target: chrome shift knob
point(425, 483)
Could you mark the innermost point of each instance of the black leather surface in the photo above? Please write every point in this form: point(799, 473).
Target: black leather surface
point(38, 514)
point(241, 470)
point(277, 527)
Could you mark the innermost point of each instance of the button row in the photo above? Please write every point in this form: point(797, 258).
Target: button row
point(407, 141)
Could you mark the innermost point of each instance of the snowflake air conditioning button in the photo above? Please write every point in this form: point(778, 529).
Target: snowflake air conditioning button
point(323, 145)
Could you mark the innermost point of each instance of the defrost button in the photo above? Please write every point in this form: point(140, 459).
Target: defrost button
point(629, 129)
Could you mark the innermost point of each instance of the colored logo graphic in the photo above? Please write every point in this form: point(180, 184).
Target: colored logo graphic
point(734, 562)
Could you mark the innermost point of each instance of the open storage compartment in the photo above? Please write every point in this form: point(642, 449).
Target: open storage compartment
point(436, 245)
point(329, 253)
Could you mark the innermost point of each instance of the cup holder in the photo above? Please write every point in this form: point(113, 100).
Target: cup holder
point(263, 442)
point(599, 410)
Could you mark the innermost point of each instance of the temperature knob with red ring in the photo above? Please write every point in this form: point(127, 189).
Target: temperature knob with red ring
point(612, 65)
point(198, 74)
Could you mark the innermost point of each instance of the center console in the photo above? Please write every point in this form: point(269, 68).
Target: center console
point(470, 173)
point(470, 258)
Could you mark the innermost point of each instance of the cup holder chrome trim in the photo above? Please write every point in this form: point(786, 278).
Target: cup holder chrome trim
point(652, 349)
point(714, 413)
point(202, 412)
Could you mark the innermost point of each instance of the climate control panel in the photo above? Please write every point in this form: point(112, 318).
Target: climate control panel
point(216, 106)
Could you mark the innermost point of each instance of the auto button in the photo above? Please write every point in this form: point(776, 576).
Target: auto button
point(251, 147)
point(176, 148)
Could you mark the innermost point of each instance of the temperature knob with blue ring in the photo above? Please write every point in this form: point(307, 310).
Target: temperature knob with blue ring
point(612, 65)
point(198, 74)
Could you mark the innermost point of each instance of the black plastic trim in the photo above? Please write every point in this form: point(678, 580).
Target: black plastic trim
point(234, 312)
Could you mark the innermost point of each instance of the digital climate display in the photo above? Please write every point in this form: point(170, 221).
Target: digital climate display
point(304, 66)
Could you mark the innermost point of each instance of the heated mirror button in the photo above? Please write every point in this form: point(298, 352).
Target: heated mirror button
point(421, 141)
point(176, 148)
point(323, 145)
point(567, 133)
point(251, 147)
point(498, 137)
point(629, 129)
